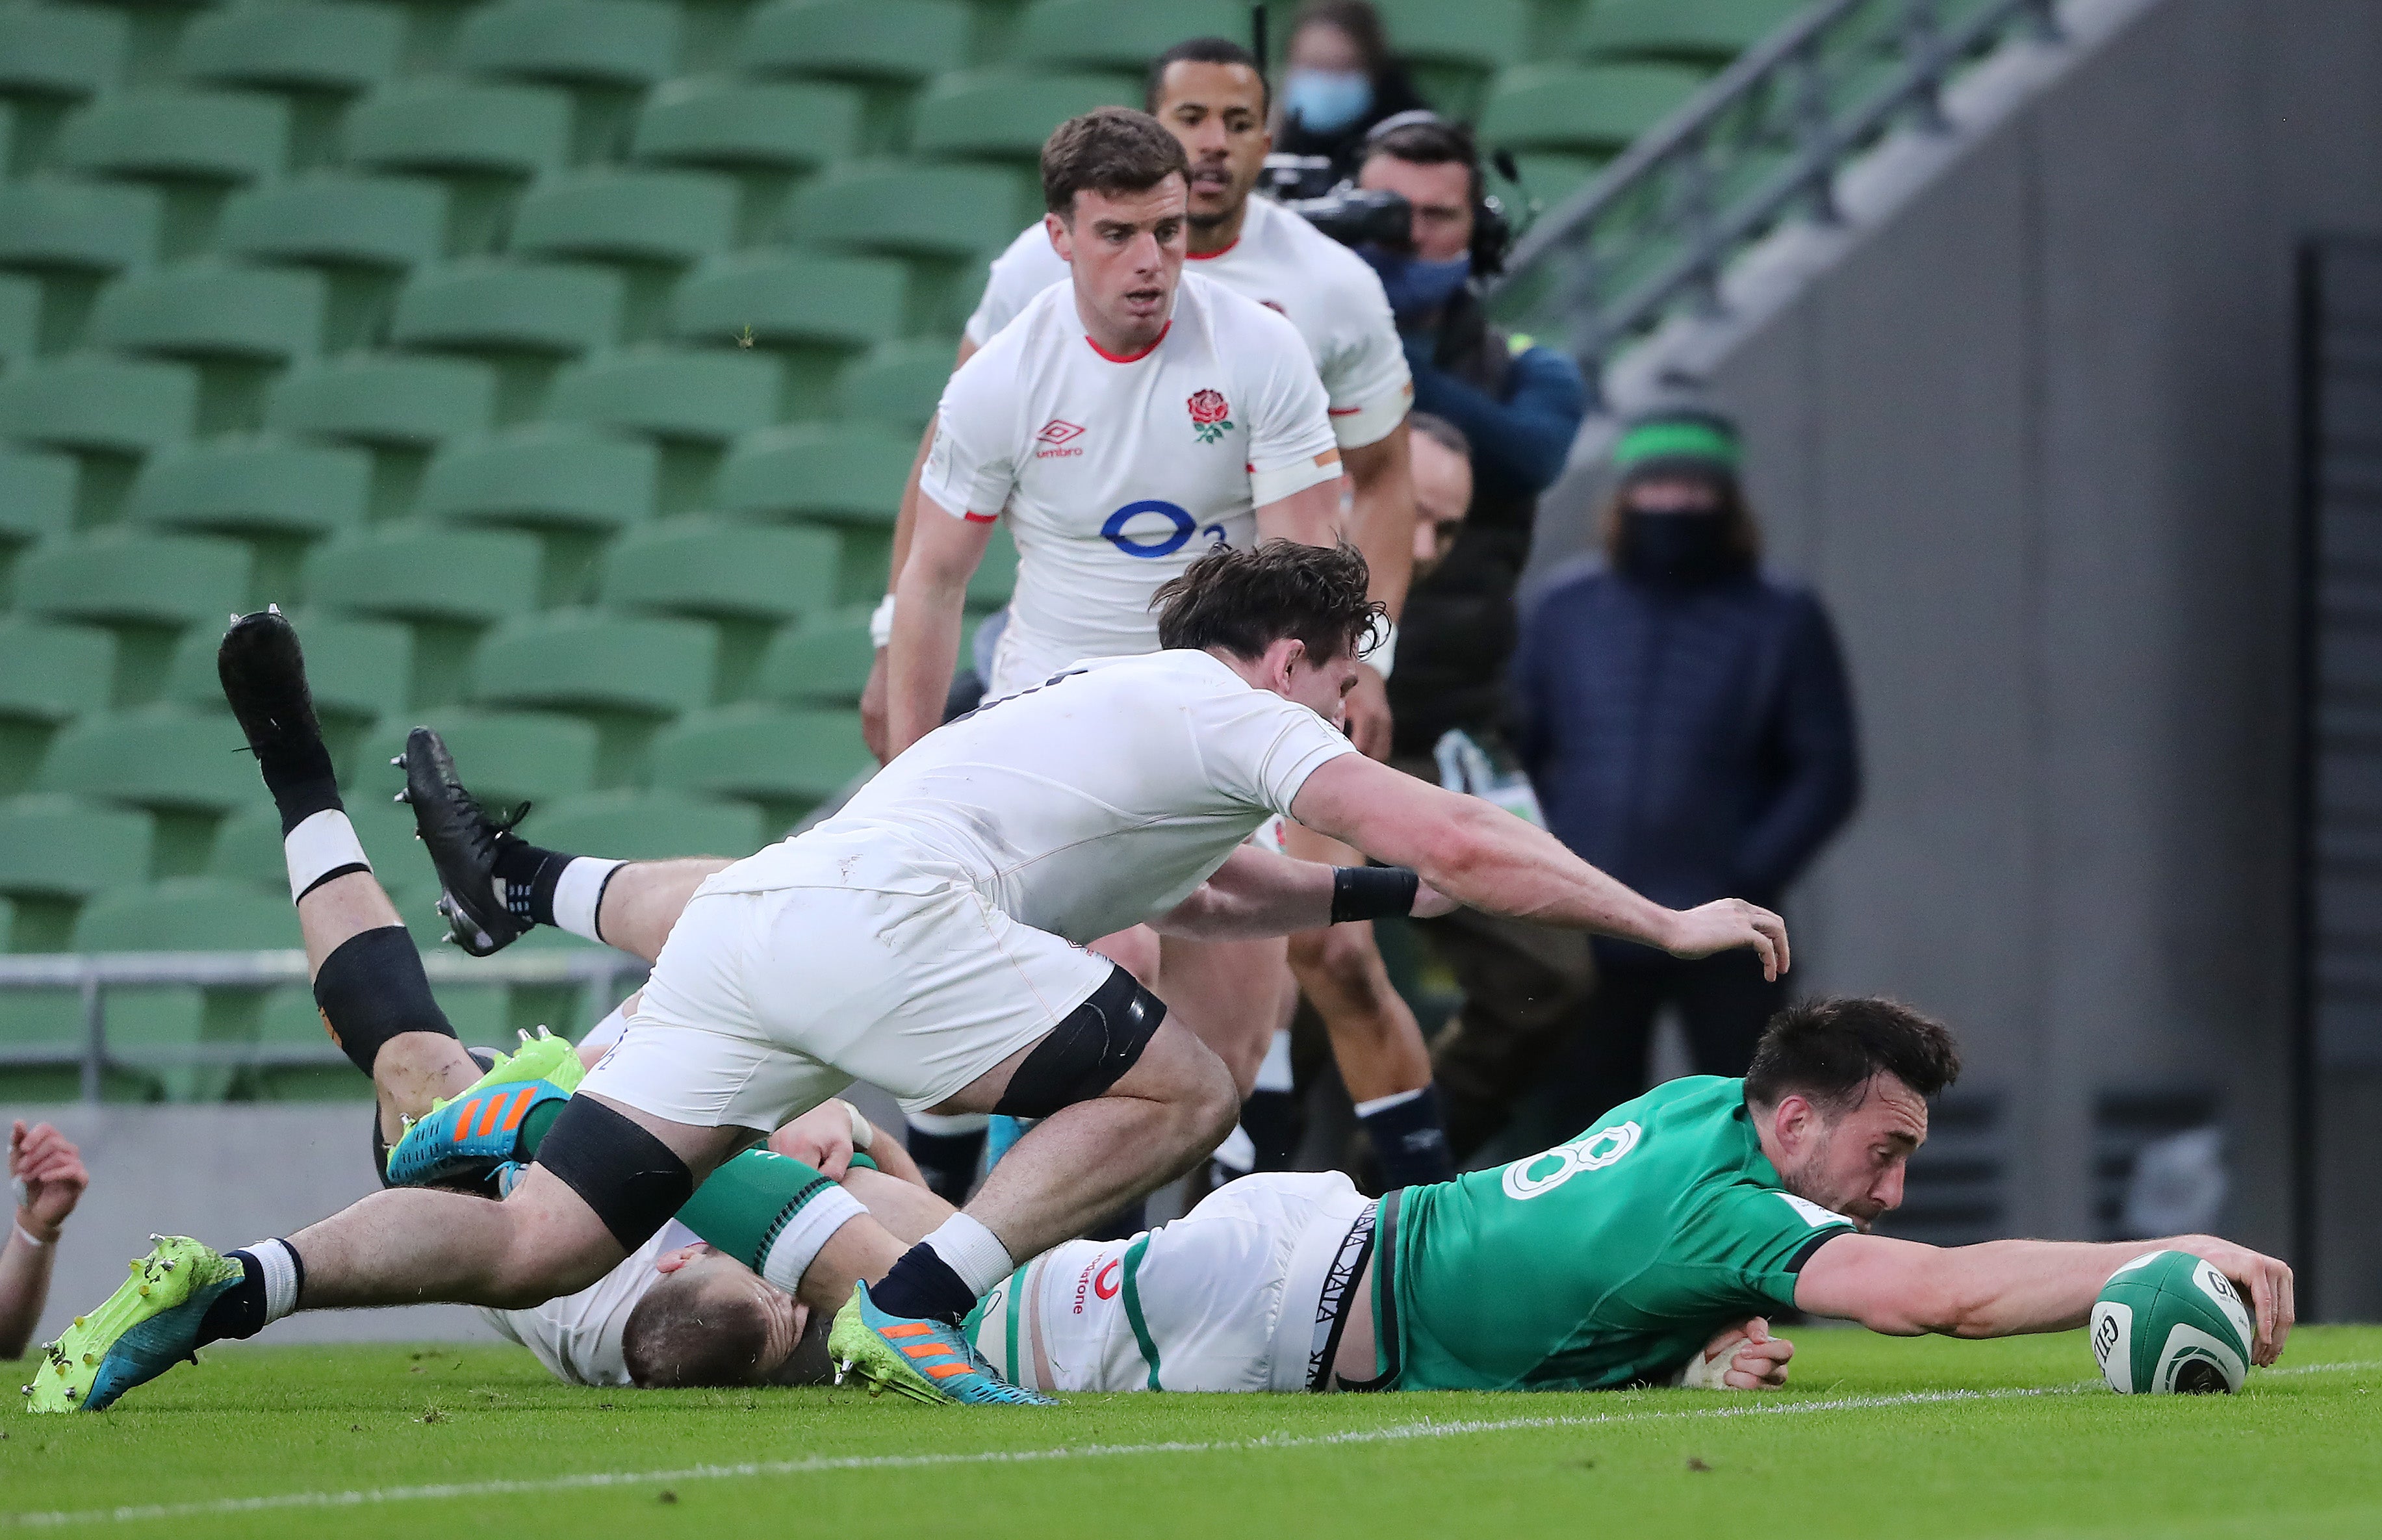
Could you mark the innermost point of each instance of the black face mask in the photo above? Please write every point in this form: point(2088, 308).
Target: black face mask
point(1677, 548)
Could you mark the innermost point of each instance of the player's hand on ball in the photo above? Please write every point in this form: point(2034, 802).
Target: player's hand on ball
point(2266, 1281)
point(1744, 1357)
point(821, 1137)
point(1727, 923)
point(1429, 903)
point(1366, 714)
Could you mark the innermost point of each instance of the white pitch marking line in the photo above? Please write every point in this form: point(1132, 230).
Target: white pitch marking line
point(1428, 1428)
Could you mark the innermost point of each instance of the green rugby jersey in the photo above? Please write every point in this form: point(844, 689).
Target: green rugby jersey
point(1602, 1262)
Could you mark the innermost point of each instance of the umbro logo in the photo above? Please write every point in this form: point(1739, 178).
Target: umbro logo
point(1056, 436)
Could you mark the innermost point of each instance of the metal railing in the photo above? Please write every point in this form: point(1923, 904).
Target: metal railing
point(599, 975)
point(1762, 141)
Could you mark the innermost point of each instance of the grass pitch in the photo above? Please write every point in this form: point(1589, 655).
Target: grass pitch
point(1879, 1437)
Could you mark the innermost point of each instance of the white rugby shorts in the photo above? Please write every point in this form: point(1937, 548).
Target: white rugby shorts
point(1237, 1295)
point(765, 1003)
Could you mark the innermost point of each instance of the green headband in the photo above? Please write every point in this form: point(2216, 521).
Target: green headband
point(1674, 439)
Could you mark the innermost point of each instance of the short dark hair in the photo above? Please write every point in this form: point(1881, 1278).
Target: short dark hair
point(1827, 1051)
point(1111, 151)
point(1359, 21)
point(1440, 431)
point(1244, 601)
point(1203, 50)
point(1429, 142)
point(685, 1334)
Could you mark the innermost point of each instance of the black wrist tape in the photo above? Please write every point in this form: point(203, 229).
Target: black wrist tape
point(1372, 893)
point(372, 989)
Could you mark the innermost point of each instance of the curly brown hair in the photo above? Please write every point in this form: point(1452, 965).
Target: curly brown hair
point(1111, 151)
point(1244, 601)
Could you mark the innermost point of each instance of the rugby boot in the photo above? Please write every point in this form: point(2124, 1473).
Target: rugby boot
point(926, 1360)
point(462, 840)
point(468, 1138)
point(263, 676)
point(149, 1325)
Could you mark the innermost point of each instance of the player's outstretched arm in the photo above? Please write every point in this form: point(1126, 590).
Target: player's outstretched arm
point(2010, 1287)
point(928, 605)
point(1483, 856)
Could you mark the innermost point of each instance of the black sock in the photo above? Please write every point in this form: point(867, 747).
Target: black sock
point(302, 780)
point(239, 1312)
point(1410, 1141)
point(947, 1160)
point(529, 874)
point(1271, 1119)
point(923, 1287)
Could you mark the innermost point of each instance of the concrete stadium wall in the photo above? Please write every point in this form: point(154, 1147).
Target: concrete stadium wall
point(2027, 423)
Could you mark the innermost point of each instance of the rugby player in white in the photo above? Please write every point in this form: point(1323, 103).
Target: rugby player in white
point(926, 938)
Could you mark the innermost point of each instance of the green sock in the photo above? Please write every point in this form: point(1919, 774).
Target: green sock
point(768, 1212)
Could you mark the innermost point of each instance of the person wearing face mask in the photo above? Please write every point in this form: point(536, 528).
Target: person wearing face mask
point(1341, 80)
point(1689, 728)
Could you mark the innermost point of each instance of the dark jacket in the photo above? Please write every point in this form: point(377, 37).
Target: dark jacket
point(1696, 742)
point(1521, 411)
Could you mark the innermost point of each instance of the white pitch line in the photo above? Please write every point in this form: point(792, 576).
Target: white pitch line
point(1427, 1428)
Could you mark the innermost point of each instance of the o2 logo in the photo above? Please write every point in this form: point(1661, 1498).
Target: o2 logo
point(1179, 530)
point(1533, 1177)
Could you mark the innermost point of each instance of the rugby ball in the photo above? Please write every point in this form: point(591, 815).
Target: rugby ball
point(2169, 1324)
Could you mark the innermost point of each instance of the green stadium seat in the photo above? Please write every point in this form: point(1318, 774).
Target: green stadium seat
point(189, 914)
point(105, 405)
point(585, 659)
point(487, 305)
point(504, 757)
point(1705, 33)
point(61, 50)
point(296, 1058)
point(552, 475)
point(1582, 108)
point(841, 473)
point(123, 578)
point(59, 847)
point(37, 495)
point(341, 49)
point(165, 757)
point(618, 43)
point(356, 669)
point(48, 224)
point(211, 310)
point(722, 572)
point(660, 217)
point(336, 220)
point(205, 136)
point(20, 320)
point(897, 382)
point(1007, 113)
point(248, 845)
point(703, 396)
point(786, 760)
point(145, 1025)
point(1477, 34)
point(650, 826)
point(472, 576)
point(509, 130)
point(919, 210)
point(781, 298)
point(869, 40)
point(784, 127)
point(48, 674)
point(826, 658)
point(410, 401)
point(1102, 35)
point(254, 486)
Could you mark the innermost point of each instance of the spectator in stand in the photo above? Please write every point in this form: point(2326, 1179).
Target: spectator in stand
point(1516, 409)
point(1341, 80)
point(46, 1174)
point(1690, 728)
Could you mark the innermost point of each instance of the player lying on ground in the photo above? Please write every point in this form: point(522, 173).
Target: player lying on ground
point(928, 938)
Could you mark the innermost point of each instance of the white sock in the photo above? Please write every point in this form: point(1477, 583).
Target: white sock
point(799, 1243)
point(280, 1264)
point(1238, 1153)
point(950, 1123)
point(579, 890)
point(322, 843)
point(972, 1251)
point(1384, 1104)
point(1274, 1074)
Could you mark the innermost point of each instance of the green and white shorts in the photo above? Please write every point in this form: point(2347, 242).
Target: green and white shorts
point(1243, 1293)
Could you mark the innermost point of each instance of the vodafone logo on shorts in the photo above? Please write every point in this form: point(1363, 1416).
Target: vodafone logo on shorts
point(1057, 439)
point(1099, 1279)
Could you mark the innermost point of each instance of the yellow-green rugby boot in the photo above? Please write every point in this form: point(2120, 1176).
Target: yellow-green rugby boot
point(468, 1136)
point(149, 1325)
point(926, 1360)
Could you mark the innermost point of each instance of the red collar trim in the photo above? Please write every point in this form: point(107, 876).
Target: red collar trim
point(1133, 358)
point(1211, 256)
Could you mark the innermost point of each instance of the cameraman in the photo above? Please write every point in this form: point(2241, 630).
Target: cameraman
point(1518, 407)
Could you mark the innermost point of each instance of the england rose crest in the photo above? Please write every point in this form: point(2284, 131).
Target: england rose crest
point(1211, 415)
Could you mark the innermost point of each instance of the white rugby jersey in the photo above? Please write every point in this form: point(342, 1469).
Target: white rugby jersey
point(1284, 264)
point(1078, 806)
point(1116, 474)
point(578, 1335)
